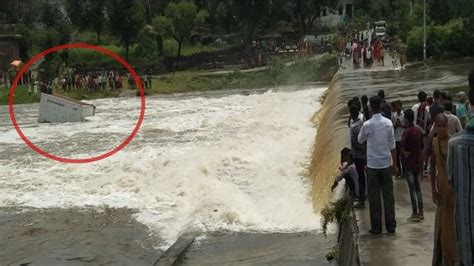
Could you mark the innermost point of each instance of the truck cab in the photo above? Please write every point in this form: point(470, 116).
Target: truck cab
point(380, 28)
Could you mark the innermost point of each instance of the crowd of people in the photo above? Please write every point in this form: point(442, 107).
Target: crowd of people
point(434, 138)
point(366, 52)
point(69, 81)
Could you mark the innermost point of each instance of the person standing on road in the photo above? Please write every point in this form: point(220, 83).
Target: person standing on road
point(422, 118)
point(460, 169)
point(379, 135)
point(386, 108)
point(445, 247)
point(436, 108)
point(411, 149)
point(358, 152)
point(365, 107)
point(399, 127)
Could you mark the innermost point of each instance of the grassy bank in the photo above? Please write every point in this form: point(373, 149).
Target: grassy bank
point(276, 74)
point(21, 95)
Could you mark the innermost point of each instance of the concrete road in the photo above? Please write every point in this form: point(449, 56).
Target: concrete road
point(412, 244)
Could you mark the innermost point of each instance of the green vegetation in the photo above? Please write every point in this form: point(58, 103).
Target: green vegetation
point(126, 21)
point(338, 211)
point(450, 25)
point(450, 40)
point(333, 254)
point(179, 21)
point(21, 95)
point(144, 28)
point(189, 81)
point(276, 74)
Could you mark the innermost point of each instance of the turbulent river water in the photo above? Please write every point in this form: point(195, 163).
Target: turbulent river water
point(222, 161)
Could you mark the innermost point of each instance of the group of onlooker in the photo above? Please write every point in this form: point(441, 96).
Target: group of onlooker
point(435, 138)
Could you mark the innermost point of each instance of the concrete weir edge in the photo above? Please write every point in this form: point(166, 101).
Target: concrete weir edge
point(348, 242)
point(175, 254)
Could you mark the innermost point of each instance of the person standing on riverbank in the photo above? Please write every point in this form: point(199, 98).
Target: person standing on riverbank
point(411, 148)
point(379, 135)
point(399, 127)
point(460, 171)
point(436, 108)
point(445, 247)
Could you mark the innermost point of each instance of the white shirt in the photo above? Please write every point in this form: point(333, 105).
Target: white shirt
point(427, 116)
point(398, 130)
point(378, 132)
point(454, 125)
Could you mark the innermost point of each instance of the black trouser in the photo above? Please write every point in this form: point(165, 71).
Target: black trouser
point(379, 181)
point(416, 197)
point(350, 183)
point(360, 166)
point(399, 159)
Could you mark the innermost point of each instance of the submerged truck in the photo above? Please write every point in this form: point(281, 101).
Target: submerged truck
point(61, 109)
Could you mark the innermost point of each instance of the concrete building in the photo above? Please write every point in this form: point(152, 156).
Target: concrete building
point(9, 50)
point(332, 18)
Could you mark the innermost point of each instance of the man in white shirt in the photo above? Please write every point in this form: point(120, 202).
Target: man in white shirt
point(398, 121)
point(454, 124)
point(422, 116)
point(379, 134)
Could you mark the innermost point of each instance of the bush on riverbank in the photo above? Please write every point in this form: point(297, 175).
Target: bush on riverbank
point(338, 211)
point(21, 95)
point(303, 71)
point(277, 74)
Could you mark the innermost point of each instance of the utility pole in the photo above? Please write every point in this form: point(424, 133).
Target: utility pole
point(424, 30)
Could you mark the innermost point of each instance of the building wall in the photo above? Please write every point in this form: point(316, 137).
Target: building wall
point(9, 51)
point(333, 18)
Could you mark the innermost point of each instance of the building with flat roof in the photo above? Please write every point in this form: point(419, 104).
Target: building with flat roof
point(9, 50)
point(331, 18)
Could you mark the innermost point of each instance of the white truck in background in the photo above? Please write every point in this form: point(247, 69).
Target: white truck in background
point(380, 29)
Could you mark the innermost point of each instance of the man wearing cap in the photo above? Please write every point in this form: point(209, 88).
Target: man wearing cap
point(462, 108)
point(460, 170)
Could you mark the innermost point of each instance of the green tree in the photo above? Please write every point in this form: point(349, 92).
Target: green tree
point(223, 15)
point(250, 14)
point(87, 14)
point(306, 11)
point(148, 47)
point(126, 20)
point(179, 21)
point(55, 25)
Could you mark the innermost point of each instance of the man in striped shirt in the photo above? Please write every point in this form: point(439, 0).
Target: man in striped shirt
point(460, 168)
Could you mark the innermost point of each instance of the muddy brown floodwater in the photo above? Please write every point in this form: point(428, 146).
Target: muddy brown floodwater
point(74, 237)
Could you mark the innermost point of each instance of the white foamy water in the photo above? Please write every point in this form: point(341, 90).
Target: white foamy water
point(229, 162)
